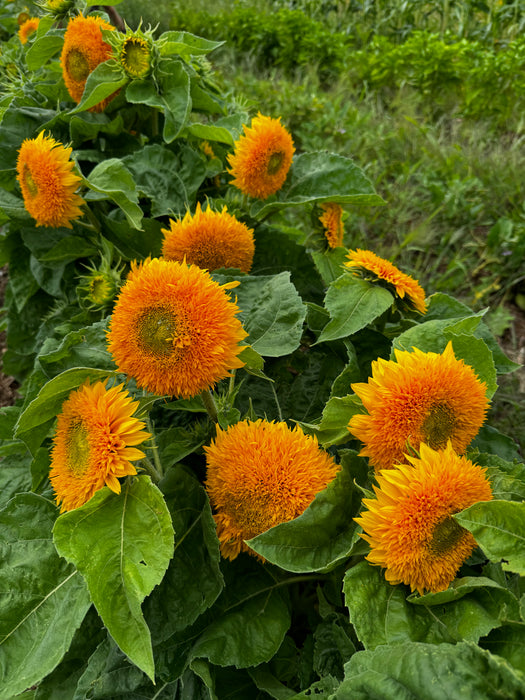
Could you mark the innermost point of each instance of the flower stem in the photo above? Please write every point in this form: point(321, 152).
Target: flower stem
point(209, 405)
point(279, 412)
point(92, 218)
point(150, 469)
point(155, 450)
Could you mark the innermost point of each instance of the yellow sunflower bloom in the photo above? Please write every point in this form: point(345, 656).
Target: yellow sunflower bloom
point(260, 474)
point(332, 221)
point(28, 27)
point(262, 157)
point(94, 443)
point(135, 56)
point(368, 265)
point(210, 240)
point(48, 183)
point(174, 329)
point(409, 524)
point(422, 397)
point(83, 50)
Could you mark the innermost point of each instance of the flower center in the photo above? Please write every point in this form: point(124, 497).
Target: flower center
point(135, 57)
point(438, 426)
point(99, 289)
point(77, 65)
point(160, 333)
point(77, 440)
point(446, 535)
point(275, 162)
point(30, 183)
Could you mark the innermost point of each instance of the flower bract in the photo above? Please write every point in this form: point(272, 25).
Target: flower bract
point(83, 50)
point(368, 265)
point(174, 329)
point(28, 28)
point(421, 397)
point(210, 240)
point(332, 222)
point(95, 443)
point(262, 157)
point(409, 524)
point(260, 474)
point(48, 183)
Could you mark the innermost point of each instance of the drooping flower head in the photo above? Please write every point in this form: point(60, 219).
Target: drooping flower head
point(368, 265)
point(48, 183)
point(174, 329)
point(421, 397)
point(27, 28)
point(409, 524)
point(260, 474)
point(261, 158)
point(95, 443)
point(210, 240)
point(83, 50)
point(332, 222)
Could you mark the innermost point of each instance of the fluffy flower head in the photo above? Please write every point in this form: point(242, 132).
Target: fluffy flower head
point(370, 266)
point(409, 524)
point(261, 158)
point(95, 443)
point(332, 221)
point(48, 183)
point(83, 50)
point(27, 28)
point(422, 397)
point(210, 240)
point(260, 474)
point(174, 329)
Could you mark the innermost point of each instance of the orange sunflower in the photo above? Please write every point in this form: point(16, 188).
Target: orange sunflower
point(48, 183)
point(260, 474)
point(94, 443)
point(84, 49)
point(422, 397)
point(409, 525)
point(370, 266)
point(262, 157)
point(332, 221)
point(210, 240)
point(27, 28)
point(174, 329)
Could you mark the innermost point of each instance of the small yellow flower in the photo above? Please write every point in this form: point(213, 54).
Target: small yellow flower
point(332, 221)
point(27, 28)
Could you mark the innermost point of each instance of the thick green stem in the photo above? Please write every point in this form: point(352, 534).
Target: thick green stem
point(154, 449)
point(279, 412)
point(209, 405)
point(150, 469)
point(92, 218)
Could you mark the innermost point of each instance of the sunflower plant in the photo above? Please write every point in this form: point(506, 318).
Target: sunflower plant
point(246, 459)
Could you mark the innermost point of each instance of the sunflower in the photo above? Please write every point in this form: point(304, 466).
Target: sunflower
point(174, 329)
point(28, 27)
point(210, 240)
point(135, 57)
point(48, 183)
point(409, 524)
point(422, 397)
point(260, 474)
point(332, 221)
point(262, 157)
point(370, 266)
point(84, 49)
point(94, 443)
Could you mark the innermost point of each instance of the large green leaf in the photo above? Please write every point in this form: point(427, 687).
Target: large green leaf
point(44, 48)
point(499, 529)
point(353, 304)
point(185, 44)
point(106, 79)
point(321, 177)
point(322, 536)
point(176, 95)
point(193, 579)
point(112, 180)
point(35, 421)
point(469, 609)
point(434, 672)
point(122, 545)
point(43, 599)
point(507, 479)
point(15, 469)
point(508, 642)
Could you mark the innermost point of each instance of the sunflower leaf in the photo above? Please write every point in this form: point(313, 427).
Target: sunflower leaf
point(353, 304)
point(106, 79)
point(429, 671)
point(498, 528)
point(43, 599)
point(109, 539)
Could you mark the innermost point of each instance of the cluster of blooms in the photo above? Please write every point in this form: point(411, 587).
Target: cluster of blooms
point(174, 330)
